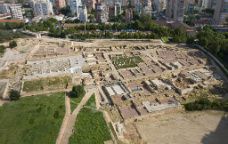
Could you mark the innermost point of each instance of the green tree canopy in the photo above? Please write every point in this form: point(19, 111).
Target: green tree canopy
point(13, 44)
point(14, 95)
point(78, 91)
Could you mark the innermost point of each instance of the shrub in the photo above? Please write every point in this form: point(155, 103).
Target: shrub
point(14, 95)
point(13, 44)
point(205, 104)
point(78, 91)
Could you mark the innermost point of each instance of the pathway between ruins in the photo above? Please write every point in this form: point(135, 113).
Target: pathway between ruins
point(69, 120)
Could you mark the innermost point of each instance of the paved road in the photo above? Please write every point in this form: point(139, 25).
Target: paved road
point(70, 118)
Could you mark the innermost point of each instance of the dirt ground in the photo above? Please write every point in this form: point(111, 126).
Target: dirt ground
point(208, 127)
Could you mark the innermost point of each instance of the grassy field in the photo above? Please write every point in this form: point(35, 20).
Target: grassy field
point(90, 127)
point(7, 35)
point(52, 83)
point(126, 62)
point(32, 120)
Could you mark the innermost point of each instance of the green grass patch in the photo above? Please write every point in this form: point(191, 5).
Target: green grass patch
point(91, 102)
point(126, 62)
point(74, 101)
point(90, 127)
point(207, 104)
point(165, 39)
point(32, 120)
point(7, 35)
point(52, 83)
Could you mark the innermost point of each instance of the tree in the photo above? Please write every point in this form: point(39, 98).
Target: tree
point(13, 44)
point(14, 95)
point(190, 40)
point(77, 91)
point(66, 11)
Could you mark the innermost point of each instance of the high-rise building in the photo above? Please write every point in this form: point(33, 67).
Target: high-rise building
point(4, 8)
point(117, 7)
point(175, 9)
point(128, 15)
point(75, 6)
point(60, 4)
point(90, 4)
point(147, 7)
point(138, 7)
point(16, 11)
point(102, 12)
point(221, 11)
point(42, 8)
point(83, 16)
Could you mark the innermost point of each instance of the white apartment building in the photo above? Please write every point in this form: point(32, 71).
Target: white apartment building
point(221, 11)
point(175, 9)
point(75, 6)
point(43, 8)
point(4, 8)
point(83, 16)
point(16, 11)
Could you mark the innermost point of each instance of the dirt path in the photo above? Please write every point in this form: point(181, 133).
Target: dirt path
point(70, 118)
point(65, 120)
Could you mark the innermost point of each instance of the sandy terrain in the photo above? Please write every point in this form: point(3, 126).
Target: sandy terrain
point(208, 127)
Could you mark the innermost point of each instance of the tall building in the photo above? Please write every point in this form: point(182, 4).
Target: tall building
point(83, 16)
point(175, 10)
point(102, 12)
point(4, 8)
point(138, 7)
point(221, 11)
point(117, 7)
point(60, 4)
point(128, 15)
point(147, 7)
point(75, 6)
point(208, 4)
point(42, 8)
point(16, 11)
point(90, 4)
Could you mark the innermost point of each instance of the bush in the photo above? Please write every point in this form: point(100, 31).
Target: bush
point(78, 91)
point(2, 49)
point(14, 95)
point(13, 44)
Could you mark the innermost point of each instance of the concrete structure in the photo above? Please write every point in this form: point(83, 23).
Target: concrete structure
point(16, 11)
point(43, 68)
point(156, 106)
point(43, 8)
point(114, 89)
point(175, 10)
